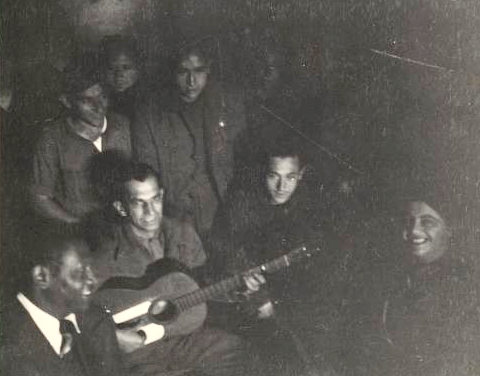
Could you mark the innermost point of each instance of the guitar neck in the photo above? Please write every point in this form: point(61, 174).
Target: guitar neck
point(202, 295)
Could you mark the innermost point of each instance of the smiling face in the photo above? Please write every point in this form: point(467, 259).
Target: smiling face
point(72, 281)
point(282, 178)
point(192, 77)
point(122, 72)
point(143, 204)
point(425, 233)
point(89, 106)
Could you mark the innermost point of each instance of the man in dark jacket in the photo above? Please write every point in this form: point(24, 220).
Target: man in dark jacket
point(51, 327)
point(260, 223)
point(268, 218)
point(190, 139)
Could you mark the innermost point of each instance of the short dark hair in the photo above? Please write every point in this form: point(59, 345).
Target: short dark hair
point(113, 45)
point(48, 249)
point(188, 48)
point(81, 73)
point(133, 171)
point(283, 146)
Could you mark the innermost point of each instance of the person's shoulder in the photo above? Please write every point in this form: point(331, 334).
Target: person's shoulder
point(14, 321)
point(53, 131)
point(180, 232)
point(245, 195)
point(229, 95)
point(104, 236)
point(105, 240)
point(174, 225)
point(183, 243)
point(152, 106)
point(117, 120)
point(245, 200)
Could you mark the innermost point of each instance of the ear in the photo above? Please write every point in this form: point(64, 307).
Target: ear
point(120, 209)
point(41, 276)
point(65, 101)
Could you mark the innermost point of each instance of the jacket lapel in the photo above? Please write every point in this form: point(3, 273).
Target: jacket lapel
point(216, 140)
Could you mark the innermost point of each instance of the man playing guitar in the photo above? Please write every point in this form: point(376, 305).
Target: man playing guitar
point(142, 237)
point(258, 223)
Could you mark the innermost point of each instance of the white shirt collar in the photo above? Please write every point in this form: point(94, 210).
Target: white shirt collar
point(98, 141)
point(46, 323)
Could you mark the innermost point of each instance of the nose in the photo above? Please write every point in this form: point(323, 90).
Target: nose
point(191, 79)
point(416, 228)
point(99, 103)
point(150, 209)
point(282, 184)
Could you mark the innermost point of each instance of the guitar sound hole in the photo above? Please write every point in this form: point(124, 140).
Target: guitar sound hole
point(162, 311)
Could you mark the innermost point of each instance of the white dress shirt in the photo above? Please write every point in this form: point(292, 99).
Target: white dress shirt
point(98, 141)
point(46, 323)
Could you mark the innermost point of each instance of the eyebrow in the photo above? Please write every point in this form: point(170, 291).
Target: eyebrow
point(201, 68)
point(159, 194)
point(426, 216)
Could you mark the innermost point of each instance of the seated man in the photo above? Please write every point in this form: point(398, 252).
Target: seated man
point(262, 222)
point(191, 139)
point(51, 328)
point(60, 186)
point(142, 237)
point(426, 320)
point(269, 218)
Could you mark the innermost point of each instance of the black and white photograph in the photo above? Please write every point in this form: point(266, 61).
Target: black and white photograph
point(240, 188)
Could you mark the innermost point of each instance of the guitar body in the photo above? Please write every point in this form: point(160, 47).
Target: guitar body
point(165, 279)
point(141, 302)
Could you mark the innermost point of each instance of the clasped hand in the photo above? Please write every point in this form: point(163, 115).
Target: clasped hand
point(253, 283)
point(131, 339)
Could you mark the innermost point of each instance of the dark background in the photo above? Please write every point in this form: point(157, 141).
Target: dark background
point(384, 115)
point(328, 44)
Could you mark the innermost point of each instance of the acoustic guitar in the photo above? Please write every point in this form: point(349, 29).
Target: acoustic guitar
point(166, 301)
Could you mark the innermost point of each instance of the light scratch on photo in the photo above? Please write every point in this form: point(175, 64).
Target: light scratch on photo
point(411, 61)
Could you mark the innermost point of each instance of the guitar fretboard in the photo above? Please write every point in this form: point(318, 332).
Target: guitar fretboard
point(202, 295)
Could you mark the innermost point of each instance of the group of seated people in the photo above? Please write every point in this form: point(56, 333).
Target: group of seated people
point(147, 212)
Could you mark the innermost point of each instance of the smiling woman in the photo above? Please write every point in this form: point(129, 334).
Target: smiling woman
point(423, 323)
point(425, 233)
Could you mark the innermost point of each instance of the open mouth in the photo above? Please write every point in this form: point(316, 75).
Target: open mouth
point(418, 241)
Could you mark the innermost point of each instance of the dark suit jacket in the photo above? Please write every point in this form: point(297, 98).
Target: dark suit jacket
point(25, 351)
point(225, 118)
